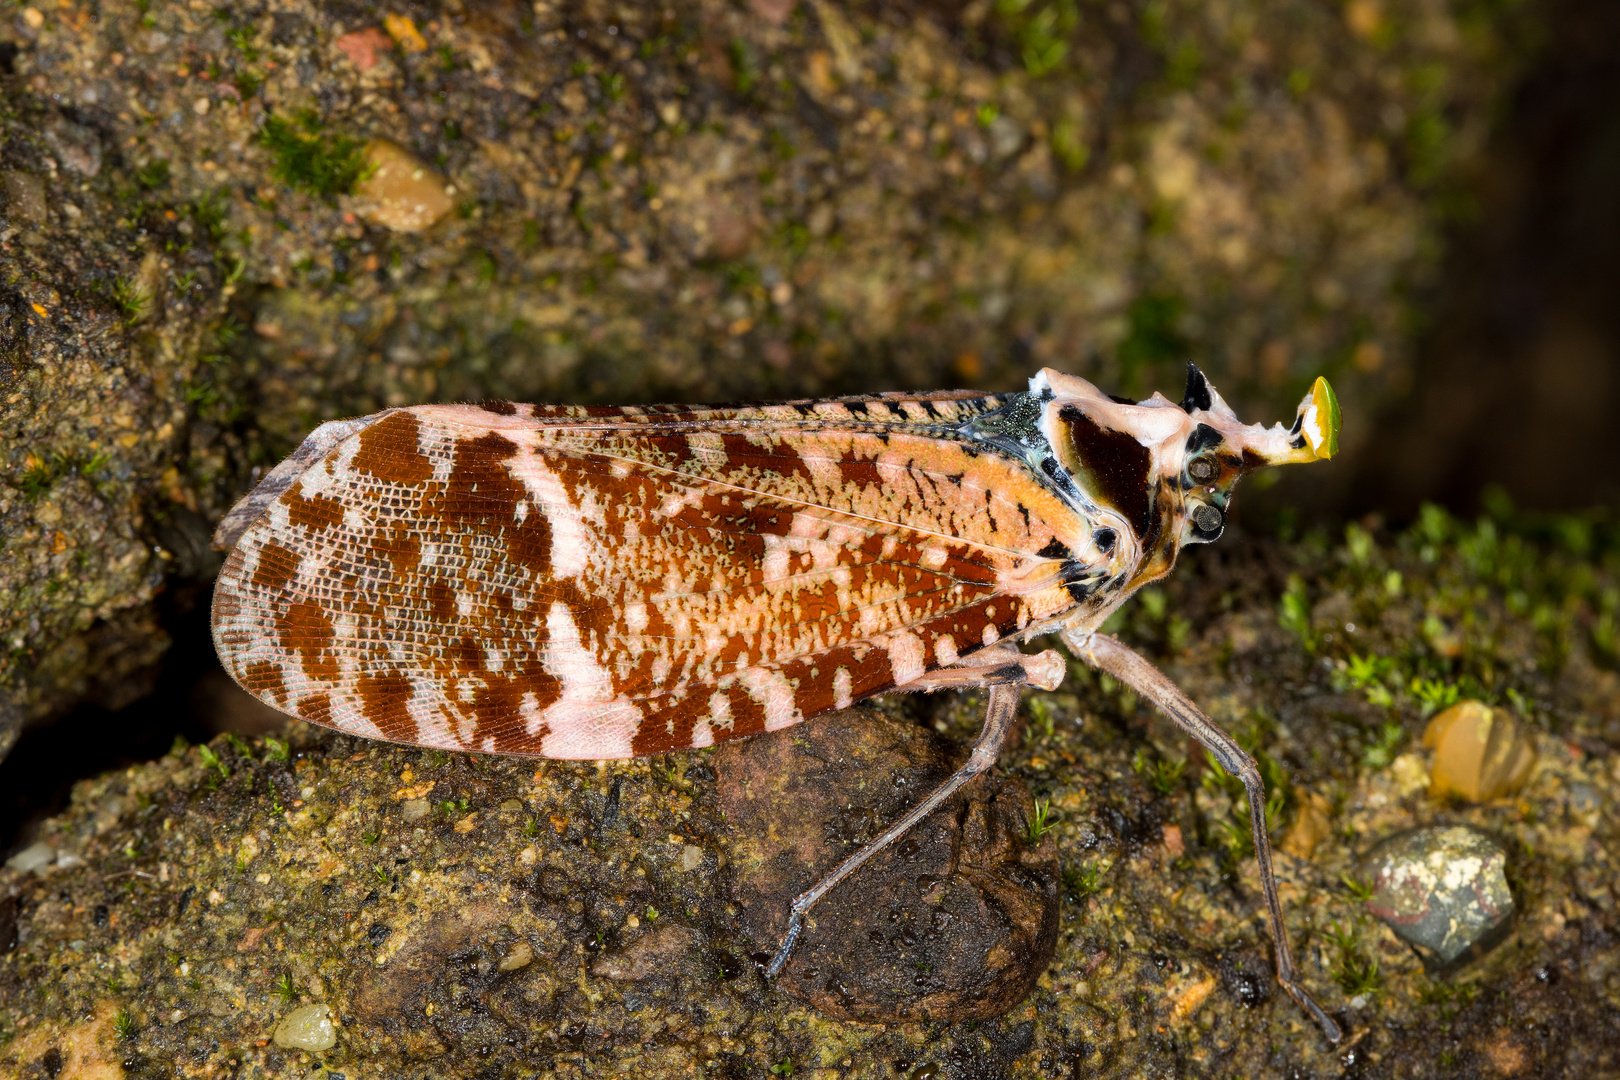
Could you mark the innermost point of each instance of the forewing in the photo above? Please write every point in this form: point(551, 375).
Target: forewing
point(465, 580)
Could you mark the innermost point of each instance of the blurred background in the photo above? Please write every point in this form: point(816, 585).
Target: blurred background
point(223, 228)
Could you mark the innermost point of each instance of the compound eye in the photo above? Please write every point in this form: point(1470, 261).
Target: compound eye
point(1202, 470)
point(1207, 518)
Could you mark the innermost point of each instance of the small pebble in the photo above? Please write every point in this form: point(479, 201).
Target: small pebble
point(306, 1028)
point(1440, 888)
point(520, 955)
point(414, 809)
point(35, 856)
point(1480, 753)
point(401, 193)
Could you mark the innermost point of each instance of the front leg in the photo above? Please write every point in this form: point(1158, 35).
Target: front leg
point(1112, 656)
point(1004, 672)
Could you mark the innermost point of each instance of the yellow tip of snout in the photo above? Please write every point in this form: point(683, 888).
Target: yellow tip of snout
point(1322, 420)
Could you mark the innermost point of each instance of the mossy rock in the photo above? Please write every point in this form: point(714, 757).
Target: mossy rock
point(468, 916)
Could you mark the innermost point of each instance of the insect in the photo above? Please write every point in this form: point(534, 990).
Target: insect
point(590, 582)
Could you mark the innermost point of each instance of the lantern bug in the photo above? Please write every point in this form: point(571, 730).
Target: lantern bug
point(591, 582)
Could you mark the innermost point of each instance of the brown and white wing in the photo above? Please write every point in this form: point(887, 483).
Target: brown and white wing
point(457, 578)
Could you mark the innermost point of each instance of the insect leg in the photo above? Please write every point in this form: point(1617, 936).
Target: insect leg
point(1005, 684)
point(1110, 655)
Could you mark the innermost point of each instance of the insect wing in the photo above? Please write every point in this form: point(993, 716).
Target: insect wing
point(455, 578)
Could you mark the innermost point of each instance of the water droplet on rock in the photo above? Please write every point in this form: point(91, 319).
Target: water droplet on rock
point(1442, 889)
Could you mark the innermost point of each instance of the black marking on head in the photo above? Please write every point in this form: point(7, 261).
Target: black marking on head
point(1197, 395)
point(1298, 443)
point(1116, 464)
point(1202, 438)
point(1117, 400)
point(1252, 460)
point(1054, 549)
point(1299, 425)
point(1104, 539)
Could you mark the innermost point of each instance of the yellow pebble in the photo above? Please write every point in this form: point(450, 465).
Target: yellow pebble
point(1480, 753)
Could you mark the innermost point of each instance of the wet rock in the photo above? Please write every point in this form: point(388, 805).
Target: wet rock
point(24, 197)
point(417, 955)
point(308, 1027)
point(663, 950)
point(955, 920)
point(1441, 889)
point(1480, 753)
point(401, 193)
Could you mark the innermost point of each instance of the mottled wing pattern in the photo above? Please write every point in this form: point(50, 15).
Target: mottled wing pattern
point(586, 583)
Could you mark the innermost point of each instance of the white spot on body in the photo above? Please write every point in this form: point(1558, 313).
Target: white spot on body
point(905, 657)
point(774, 693)
point(588, 720)
point(945, 650)
point(843, 688)
point(571, 545)
point(635, 616)
point(776, 564)
point(702, 733)
point(529, 711)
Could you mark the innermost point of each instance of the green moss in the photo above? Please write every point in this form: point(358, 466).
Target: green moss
point(1081, 881)
point(311, 159)
point(132, 298)
point(1069, 146)
point(153, 175)
point(1040, 31)
point(1354, 970)
point(744, 65)
point(1040, 823)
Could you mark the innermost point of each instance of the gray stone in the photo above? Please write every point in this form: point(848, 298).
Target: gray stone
point(1442, 888)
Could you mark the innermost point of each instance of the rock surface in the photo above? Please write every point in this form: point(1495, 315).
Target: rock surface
point(703, 200)
point(570, 919)
point(956, 921)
